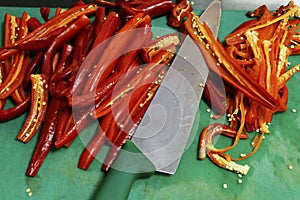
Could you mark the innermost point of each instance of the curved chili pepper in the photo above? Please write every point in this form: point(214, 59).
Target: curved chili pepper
point(39, 101)
point(206, 147)
point(46, 139)
point(15, 111)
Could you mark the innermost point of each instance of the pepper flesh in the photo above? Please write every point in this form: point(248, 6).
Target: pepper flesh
point(39, 103)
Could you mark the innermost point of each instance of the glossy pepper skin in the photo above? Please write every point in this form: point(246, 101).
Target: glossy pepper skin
point(46, 139)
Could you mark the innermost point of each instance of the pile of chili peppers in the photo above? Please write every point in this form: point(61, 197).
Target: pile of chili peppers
point(254, 65)
point(41, 72)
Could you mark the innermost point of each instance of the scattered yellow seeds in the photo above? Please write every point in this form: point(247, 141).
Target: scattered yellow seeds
point(240, 181)
point(225, 186)
point(294, 110)
point(29, 194)
point(290, 167)
point(28, 190)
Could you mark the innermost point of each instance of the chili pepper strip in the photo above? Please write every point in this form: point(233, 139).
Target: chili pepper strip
point(46, 139)
point(58, 42)
point(39, 101)
point(216, 56)
point(15, 111)
point(104, 67)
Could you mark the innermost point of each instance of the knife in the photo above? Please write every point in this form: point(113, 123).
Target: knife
point(161, 137)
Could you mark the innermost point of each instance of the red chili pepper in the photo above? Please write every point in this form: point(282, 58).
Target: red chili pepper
point(99, 20)
point(104, 65)
point(82, 121)
point(96, 143)
point(108, 28)
point(125, 133)
point(33, 23)
point(178, 13)
point(64, 116)
point(154, 8)
point(43, 35)
point(39, 101)
point(33, 67)
point(15, 111)
point(45, 12)
point(46, 139)
point(105, 89)
point(58, 42)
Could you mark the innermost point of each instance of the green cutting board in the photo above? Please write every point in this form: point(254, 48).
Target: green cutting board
point(59, 177)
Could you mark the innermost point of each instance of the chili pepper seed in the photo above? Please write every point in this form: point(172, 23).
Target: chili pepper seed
point(294, 110)
point(225, 185)
point(290, 167)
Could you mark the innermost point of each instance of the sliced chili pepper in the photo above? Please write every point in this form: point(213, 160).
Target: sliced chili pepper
point(39, 101)
point(96, 143)
point(58, 42)
point(104, 66)
point(15, 111)
point(153, 8)
point(178, 13)
point(230, 72)
point(43, 35)
point(108, 28)
point(46, 139)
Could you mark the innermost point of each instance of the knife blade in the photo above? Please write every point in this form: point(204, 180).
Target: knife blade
point(161, 137)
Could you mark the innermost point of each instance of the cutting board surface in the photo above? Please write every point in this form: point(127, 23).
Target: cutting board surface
point(268, 178)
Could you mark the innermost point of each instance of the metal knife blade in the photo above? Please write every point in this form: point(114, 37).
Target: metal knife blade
point(163, 132)
point(209, 16)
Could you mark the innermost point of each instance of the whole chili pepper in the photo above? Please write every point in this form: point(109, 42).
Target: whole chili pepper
point(46, 139)
point(39, 103)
